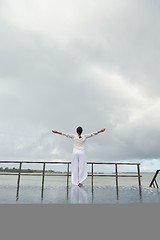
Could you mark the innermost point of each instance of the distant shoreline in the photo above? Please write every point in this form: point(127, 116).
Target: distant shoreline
point(52, 172)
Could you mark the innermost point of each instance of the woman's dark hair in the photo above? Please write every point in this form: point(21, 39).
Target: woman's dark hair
point(79, 131)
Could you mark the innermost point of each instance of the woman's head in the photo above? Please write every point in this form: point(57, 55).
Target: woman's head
point(79, 131)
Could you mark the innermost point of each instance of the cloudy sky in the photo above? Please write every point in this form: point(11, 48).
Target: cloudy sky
point(80, 62)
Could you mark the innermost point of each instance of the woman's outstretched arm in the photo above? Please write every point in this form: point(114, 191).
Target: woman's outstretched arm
point(95, 133)
point(64, 134)
point(101, 130)
point(57, 132)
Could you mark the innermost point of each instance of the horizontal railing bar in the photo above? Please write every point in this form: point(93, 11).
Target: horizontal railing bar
point(110, 175)
point(119, 163)
point(33, 162)
point(52, 175)
point(51, 162)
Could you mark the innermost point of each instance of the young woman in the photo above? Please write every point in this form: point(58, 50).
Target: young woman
point(79, 164)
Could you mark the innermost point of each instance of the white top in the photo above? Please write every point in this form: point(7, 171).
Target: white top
point(79, 143)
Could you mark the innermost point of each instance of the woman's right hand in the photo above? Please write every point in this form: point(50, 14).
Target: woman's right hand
point(102, 130)
point(54, 131)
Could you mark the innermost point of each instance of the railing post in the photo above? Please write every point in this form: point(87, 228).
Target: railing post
point(116, 171)
point(154, 179)
point(92, 174)
point(67, 174)
point(139, 175)
point(139, 179)
point(43, 174)
point(18, 181)
point(156, 183)
point(67, 179)
point(92, 182)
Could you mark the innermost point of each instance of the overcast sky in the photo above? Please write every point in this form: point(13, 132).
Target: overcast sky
point(80, 62)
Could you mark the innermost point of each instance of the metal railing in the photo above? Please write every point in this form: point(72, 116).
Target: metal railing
point(154, 180)
point(68, 174)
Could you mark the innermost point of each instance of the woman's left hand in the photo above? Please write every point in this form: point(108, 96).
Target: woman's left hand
point(54, 131)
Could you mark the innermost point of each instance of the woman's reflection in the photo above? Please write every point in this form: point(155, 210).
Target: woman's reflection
point(78, 195)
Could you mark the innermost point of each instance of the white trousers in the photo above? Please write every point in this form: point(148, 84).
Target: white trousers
point(78, 167)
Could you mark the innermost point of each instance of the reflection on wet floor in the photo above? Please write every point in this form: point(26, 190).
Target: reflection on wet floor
point(79, 195)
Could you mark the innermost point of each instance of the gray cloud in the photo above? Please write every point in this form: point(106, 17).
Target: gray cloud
point(96, 66)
